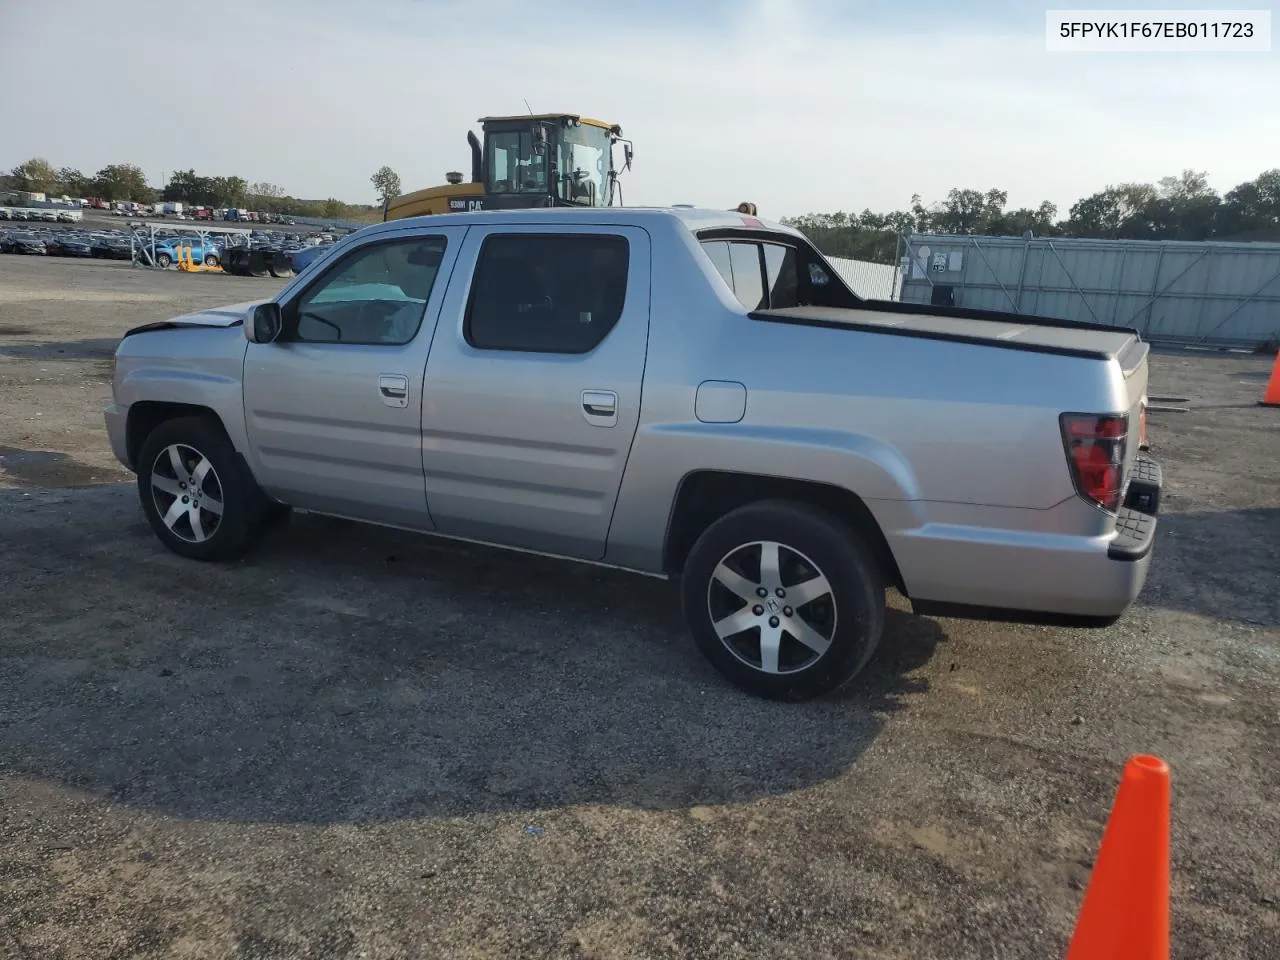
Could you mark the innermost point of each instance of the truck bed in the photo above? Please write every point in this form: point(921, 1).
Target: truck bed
point(987, 328)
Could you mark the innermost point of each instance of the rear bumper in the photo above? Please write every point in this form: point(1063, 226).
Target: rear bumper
point(1032, 577)
point(1136, 520)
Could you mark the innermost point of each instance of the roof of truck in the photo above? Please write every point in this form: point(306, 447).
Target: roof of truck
point(694, 218)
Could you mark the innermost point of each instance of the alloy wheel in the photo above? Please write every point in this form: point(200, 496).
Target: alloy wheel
point(187, 493)
point(772, 607)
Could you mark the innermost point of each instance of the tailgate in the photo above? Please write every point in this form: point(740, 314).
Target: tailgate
point(1133, 364)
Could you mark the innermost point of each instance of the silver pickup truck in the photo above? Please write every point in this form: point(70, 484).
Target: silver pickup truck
point(684, 393)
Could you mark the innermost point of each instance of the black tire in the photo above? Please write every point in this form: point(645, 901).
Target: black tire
point(849, 617)
point(163, 260)
point(210, 260)
point(240, 523)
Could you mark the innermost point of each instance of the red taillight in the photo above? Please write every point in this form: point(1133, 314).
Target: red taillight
point(1095, 450)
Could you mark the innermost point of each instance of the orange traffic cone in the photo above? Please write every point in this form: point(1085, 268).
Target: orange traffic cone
point(1125, 914)
point(1272, 397)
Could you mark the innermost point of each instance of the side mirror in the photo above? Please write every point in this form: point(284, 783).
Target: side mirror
point(265, 324)
point(539, 139)
point(627, 154)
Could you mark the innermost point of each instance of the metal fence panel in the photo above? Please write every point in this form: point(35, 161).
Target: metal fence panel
point(1213, 293)
point(872, 281)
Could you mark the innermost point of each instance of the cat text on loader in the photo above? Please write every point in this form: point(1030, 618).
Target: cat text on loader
point(547, 160)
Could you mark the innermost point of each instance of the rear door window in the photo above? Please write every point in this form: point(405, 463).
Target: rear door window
point(560, 293)
point(761, 275)
point(718, 251)
point(780, 271)
point(748, 280)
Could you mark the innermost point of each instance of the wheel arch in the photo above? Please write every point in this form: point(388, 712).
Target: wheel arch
point(146, 415)
point(704, 496)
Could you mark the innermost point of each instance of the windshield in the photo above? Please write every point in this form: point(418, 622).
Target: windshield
point(582, 166)
point(513, 167)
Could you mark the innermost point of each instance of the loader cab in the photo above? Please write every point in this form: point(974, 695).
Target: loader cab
point(551, 160)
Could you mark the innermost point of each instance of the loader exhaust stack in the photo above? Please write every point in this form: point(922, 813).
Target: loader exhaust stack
point(477, 159)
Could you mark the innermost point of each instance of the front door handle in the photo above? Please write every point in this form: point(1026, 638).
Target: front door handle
point(394, 389)
point(600, 407)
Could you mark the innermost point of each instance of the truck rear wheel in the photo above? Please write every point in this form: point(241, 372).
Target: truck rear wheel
point(200, 502)
point(783, 599)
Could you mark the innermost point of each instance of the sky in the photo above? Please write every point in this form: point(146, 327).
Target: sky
point(797, 105)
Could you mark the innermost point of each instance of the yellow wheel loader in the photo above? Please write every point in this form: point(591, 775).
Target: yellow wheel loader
point(543, 160)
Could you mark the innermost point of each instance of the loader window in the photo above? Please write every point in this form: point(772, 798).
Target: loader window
point(582, 166)
point(513, 166)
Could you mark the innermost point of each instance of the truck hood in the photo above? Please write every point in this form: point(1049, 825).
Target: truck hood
point(232, 315)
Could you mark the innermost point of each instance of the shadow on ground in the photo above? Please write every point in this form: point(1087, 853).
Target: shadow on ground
point(92, 348)
point(1222, 564)
point(48, 468)
point(352, 674)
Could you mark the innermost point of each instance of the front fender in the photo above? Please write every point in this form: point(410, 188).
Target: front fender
point(196, 366)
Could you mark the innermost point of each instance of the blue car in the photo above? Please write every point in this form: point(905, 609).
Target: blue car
point(301, 259)
point(202, 251)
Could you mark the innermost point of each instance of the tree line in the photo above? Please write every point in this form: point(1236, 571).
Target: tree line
point(126, 181)
point(1182, 207)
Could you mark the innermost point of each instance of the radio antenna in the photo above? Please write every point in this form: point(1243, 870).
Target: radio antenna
point(526, 105)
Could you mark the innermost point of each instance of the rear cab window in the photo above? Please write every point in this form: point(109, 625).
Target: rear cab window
point(773, 271)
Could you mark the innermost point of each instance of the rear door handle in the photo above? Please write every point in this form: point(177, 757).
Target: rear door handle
point(394, 389)
point(600, 407)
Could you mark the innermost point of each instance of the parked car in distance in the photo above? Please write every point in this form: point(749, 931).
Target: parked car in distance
point(302, 258)
point(690, 394)
point(112, 247)
point(21, 242)
point(75, 246)
point(165, 250)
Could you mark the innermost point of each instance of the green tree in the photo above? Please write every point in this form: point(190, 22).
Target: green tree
point(969, 211)
point(387, 183)
point(1186, 208)
point(332, 209)
point(36, 175)
point(264, 196)
point(1115, 212)
point(227, 191)
point(186, 186)
point(121, 181)
point(1252, 208)
point(71, 181)
point(1042, 221)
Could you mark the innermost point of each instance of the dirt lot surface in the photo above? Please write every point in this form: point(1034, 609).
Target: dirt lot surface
point(360, 743)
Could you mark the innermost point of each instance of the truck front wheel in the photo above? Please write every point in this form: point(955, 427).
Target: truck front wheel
point(195, 493)
point(783, 599)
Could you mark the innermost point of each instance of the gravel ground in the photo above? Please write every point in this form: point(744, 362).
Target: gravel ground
point(361, 743)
